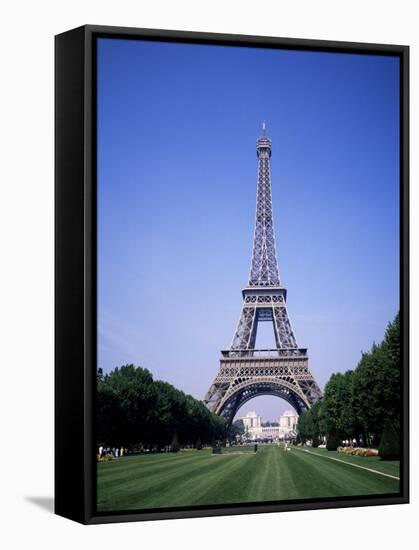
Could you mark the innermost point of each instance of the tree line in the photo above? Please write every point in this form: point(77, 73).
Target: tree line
point(359, 404)
point(133, 410)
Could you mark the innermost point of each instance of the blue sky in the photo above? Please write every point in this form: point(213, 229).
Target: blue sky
point(177, 175)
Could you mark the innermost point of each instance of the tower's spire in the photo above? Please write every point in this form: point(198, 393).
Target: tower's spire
point(264, 270)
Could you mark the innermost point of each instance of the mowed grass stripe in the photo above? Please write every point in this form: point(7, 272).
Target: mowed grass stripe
point(277, 474)
point(377, 472)
point(391, 467)
point(214, 487)
point(124, 467)
point(266, 484)
point(236, 487)
point(160, 487)
point(328, 478)
point(296, 478)
point(203, 479)
point(140, 479)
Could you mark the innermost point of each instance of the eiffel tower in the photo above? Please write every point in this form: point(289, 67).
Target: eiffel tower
point(246, 372)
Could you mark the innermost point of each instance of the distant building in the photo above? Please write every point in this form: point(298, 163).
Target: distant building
point(288, 421)
point(252, 420)
point(253, 429)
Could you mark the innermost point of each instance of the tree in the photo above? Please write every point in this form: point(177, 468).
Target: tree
point(333, 442)
point(377, 384)
point(316, 413)
point(168, 414)
point(133, 409)
point(125, 400)
point(235, 429)
point(348, 417)
point(309, 424)
point(174, 447)
point(389, 448)
point(338, 405)
point(305, 426)
point(357, 403)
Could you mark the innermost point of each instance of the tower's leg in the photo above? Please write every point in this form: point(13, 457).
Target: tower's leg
point(283, 331)
point(245, 335)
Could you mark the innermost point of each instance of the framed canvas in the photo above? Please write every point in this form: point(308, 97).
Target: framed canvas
point(199, 177)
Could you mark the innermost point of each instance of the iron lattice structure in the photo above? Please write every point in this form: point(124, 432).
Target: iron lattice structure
point(246, 372)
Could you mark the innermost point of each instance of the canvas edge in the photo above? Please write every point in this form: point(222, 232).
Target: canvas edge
point(80, 485)
point(69, 468)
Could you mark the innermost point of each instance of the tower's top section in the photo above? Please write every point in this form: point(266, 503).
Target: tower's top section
point(264, 270)
point(264, 144)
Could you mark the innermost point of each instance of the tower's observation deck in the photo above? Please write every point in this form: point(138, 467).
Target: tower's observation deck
point(263, 145)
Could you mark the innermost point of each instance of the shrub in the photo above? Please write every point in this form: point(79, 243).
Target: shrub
point(389, 448)
point(333, 442)
point(315, 442)
point(198, 444)
point(175, 444)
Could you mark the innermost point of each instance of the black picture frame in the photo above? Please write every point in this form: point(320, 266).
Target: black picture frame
point(76, 270)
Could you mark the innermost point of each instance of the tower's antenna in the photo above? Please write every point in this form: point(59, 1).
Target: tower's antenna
point(264, 128)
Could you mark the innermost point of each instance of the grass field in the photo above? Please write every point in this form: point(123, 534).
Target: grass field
point(195, 478)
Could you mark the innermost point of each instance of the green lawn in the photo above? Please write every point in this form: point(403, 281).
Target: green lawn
point(391, 467)
point(200, 478)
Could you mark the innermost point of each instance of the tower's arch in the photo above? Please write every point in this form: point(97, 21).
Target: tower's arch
point(246, 390)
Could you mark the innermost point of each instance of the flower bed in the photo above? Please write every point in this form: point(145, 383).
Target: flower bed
point(357, 451)
point(104, 458)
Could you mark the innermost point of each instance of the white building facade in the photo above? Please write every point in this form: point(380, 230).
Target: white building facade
point(253, 429)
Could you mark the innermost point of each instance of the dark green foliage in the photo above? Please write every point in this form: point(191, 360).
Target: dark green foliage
point(132, 409)
point(333, 442)
point(174, 447)
point(309, 425)
point(315, 441)
point(235, 429)
point(339, 404)
point(198, 445)
point(355, 404)
point(377, 384)
point(305, 426)
point(389, 448)
point(216, 450)
point(126, 399)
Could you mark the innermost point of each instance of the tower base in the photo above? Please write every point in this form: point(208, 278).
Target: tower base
point(245, 374)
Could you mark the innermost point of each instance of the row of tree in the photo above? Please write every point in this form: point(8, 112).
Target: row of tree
point(360, 403)
point(133, 410)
